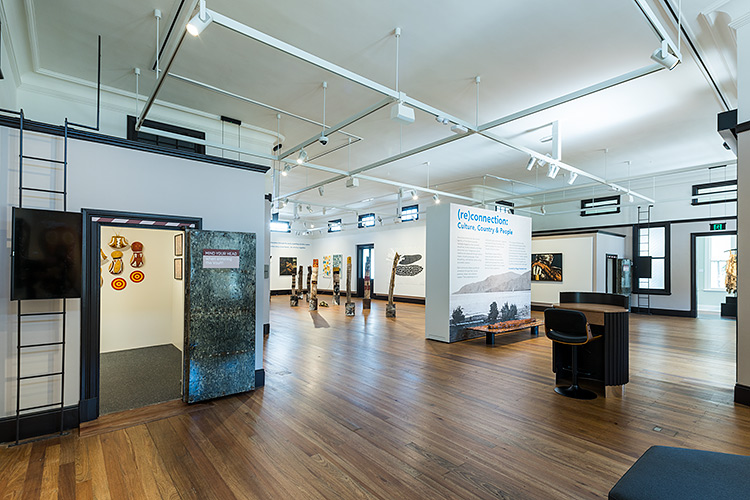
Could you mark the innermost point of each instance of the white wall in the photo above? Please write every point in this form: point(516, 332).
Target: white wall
point(107, 177)
point(142, 314)
point(578, 271)
point(405, 238)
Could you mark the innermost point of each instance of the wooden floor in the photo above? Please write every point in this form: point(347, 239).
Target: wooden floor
point(364, 407)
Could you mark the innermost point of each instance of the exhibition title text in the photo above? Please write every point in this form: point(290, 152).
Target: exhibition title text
point(476, 222)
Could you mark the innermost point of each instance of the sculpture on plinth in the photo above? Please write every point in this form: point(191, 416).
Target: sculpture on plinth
point(309, 277)
point(337, 285)
point(294, 298)
point(314, 286)
point(349, 304)
point(390, 307)
point(299, 290)
point(366, 301)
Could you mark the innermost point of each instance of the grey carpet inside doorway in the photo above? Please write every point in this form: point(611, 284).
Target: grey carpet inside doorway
point(139, 377)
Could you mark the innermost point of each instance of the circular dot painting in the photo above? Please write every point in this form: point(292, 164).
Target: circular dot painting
point(137, 276)
point(119, 283)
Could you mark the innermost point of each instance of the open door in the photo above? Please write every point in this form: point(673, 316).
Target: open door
point(219, 354)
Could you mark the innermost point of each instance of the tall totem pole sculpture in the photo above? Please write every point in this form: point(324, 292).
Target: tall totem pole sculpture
point(349, 304)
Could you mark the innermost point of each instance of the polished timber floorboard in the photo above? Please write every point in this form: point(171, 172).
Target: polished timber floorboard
point(364, 407)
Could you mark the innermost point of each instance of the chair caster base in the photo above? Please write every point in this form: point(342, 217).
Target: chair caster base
point(575, 392)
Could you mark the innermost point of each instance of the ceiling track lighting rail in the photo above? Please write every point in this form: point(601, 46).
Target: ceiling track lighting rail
point(253, 101)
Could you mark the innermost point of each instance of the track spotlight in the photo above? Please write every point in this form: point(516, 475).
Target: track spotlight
point(572, 178)
point(663, 57)
point(414, 195)
point(302, 157)
point(286, 170)
point(552, 171)
point(541, 163)
point(630, 198)
point(200, 21)
point(309, 209)
point(530, 165)
point(321, 190)
point(442, 119)
point(436, 198)
point(459, 129)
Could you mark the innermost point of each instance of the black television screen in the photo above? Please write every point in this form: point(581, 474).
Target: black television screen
point(46, 254)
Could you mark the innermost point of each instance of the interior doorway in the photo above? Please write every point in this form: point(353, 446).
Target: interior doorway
point(141, 317)
point(711, 254)
point(365, 253)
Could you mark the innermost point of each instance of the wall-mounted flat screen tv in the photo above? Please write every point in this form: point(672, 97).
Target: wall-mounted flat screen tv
point(46, 254)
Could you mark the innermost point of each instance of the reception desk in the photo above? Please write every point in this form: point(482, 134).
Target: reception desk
point(603, 363)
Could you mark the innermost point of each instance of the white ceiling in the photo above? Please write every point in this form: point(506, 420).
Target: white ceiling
point(525, 52)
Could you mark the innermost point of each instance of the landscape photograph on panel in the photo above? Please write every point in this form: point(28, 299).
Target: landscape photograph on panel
point(491, 278)
point(287, 266)
point(546, 267)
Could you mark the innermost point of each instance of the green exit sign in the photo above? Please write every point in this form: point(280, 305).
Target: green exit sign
point(719, 226)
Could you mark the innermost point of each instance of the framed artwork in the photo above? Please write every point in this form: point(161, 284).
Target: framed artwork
point(178, 269)
point(327, 259)
point(287, 266)
point(546, 267)
point(338, 260)
point(178, 244)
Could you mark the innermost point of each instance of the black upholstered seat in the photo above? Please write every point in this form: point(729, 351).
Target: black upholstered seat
point(569, 327)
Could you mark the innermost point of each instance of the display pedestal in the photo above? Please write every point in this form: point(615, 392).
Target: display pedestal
point(390, 310)
point(293, 300)
point(313, 304)
point(365, 303)
point(349, 308)
point(729, 307)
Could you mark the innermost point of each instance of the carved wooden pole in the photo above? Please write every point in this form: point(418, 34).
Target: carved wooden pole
point(337, 285)
point(309, 277)
point(366, 301)
point(390, 307)
point(314, 287)
point(294, 298)
point(299, 290)
point(349, 304)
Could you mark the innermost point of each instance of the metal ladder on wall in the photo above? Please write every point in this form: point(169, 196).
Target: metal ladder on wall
point(644, 217)
point(23, 349)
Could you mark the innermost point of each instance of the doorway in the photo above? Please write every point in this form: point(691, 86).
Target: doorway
point(711, 254)
point(365, 253)
point(93, 220)
point(141, 317)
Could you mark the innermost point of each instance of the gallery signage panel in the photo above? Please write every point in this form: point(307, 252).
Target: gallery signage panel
point(488, 267)
point(221, 259)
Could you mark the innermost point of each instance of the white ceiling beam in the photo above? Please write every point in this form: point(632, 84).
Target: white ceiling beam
point(252, 101)
point(335, 128)
point(564, 166)
point(612, 82)
point(380, 163)
point(293, 51)
point(170, 52)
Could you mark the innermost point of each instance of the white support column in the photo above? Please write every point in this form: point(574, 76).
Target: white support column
point(742, 389)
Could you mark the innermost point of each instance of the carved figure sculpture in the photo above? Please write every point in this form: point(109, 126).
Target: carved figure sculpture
point(309, 278)
point(366, 301)
point(390, 307)
point(337, 285)
point(349, 306)
point(299, 290)
point(314, 287)
point(294, 298)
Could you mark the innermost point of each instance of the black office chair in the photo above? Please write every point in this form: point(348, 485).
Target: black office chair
point(570, 328)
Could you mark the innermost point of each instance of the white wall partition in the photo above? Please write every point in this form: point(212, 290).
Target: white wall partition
point(112, 178)
point(486, 257)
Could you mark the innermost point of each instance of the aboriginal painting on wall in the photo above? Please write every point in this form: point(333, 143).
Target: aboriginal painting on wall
point(546, 267)
point(287, 266)
point(326, 271)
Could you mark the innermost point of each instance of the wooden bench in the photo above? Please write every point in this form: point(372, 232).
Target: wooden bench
point(508, 326)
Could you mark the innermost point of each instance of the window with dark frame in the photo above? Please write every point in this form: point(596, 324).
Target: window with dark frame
point(410, 213)
point(280, 226)
point(366, 220)
point(651, 247)
point(334, 226)
point(600, 206)
point(166, 142)
point(714, 192)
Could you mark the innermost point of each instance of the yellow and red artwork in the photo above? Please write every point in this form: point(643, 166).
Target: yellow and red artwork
point(137, 276)
point(119, 283)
